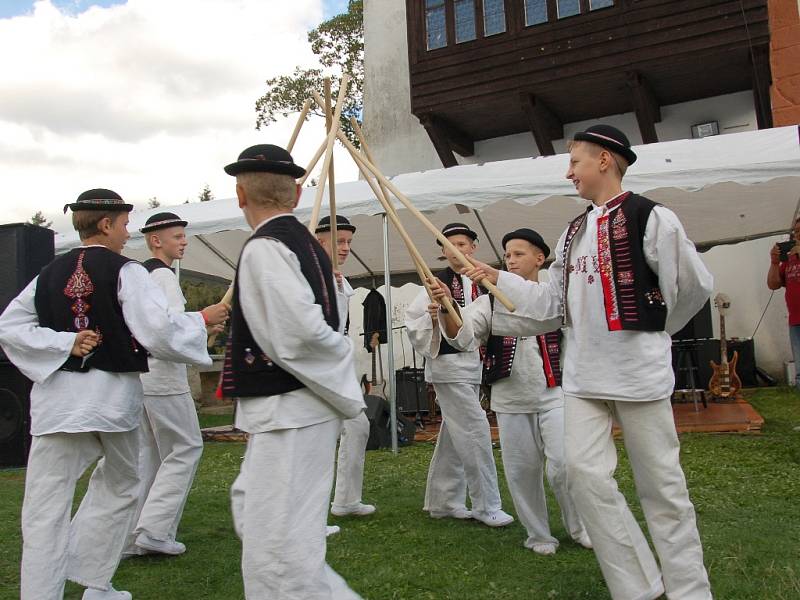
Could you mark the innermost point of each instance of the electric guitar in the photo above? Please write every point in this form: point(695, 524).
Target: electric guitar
point(374, 390)
point(724, 383)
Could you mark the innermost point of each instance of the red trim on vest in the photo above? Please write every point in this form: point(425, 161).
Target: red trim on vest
point(549, 375)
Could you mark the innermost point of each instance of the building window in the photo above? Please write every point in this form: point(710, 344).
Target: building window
point(595, 4)
point(568, 8)
point(465, 20)
point(494, 17)
point(535, 12)
point(435, 24)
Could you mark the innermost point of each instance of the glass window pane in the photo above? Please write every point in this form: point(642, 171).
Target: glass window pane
point(595, 4)
point(568, 8)
point(435, 27)
point(535, 12)
point(465, 20)
point(494, 17)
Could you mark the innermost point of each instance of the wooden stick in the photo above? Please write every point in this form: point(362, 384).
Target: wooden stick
point(383, 197)
point(343, 85)
point(334, 244)
point(314, 160)
point(423, 219)
point(422, 268)
point(300, 120)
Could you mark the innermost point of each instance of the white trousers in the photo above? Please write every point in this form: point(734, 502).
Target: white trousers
point(652, 445)
point(350, 464)
point(87, 550)
point(526, 441)
point(170, 448)
point(280, 509)
point(462, 460)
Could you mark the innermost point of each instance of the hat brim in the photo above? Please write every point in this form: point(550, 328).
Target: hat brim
point(467, 232)
point(76, 206)
point(626, 153)
point(252, 165)
point(531, 240)
point(148, 229)
point(339, 227)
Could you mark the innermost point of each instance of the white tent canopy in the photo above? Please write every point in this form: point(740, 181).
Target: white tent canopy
point(725, 189)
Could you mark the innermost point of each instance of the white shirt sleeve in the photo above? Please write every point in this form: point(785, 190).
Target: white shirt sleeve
point(289, 326)
point(37, 352)
point(167, 334)
point(684, 280)
point(477, 325)
point(423, 333)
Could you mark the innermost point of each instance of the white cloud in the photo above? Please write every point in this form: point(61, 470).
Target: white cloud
point(150, 98)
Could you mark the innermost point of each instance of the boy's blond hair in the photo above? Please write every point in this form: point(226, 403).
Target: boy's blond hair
point(85, 221)
point(269, 190)
point(595, 149)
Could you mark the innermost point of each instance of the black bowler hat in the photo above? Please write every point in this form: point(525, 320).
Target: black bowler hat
point(342, 223)
point(99, 199)
point(528, 235)
point(457, 229)
point(265, 158)
point(162, 220)
point(609, 138)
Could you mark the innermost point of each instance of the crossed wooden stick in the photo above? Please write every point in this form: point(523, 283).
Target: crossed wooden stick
point(378, 183)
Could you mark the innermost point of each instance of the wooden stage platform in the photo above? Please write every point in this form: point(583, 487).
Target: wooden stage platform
point(736, 416)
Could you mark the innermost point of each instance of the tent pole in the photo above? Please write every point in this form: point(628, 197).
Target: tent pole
point(389, 334)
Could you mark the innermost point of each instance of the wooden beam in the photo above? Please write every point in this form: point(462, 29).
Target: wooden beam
point(762, 81)
point(544, 125)
point(645, 105)
point(447, 138)
point(439, 141)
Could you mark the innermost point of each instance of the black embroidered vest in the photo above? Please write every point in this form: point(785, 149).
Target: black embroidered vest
point(498, 359)
point(78, 291)
point(247, 370)
point(151, 264)
point(453, 281)
point(633, 299)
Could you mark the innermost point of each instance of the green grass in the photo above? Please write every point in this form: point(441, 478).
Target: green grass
point(746, 489)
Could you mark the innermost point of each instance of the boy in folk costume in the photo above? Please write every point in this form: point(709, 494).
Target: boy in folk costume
point(462, 460)
point(81, 331)
point(624, 278)
point(355, 432)
point(171, 443)
point(525, 374)
point(293, 373)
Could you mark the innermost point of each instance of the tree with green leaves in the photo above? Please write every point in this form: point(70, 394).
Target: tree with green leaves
point(153, 203)
point(338, 44)
point(40, 220)
point(205, 194)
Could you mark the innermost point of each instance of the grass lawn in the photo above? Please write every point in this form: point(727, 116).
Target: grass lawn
point(746, 489)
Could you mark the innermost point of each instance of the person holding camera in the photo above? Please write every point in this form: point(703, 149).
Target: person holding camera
point(784, 271)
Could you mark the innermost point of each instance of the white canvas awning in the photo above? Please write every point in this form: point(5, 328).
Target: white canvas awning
point(725, 189)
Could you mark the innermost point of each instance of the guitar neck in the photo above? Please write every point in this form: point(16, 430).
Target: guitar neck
point(374, 375)
point(723, 343)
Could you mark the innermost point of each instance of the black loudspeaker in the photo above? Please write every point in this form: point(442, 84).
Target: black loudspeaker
point(378, 412)
point(15, 425)
point(412, 391)
point(24, 250)
point(699, 327)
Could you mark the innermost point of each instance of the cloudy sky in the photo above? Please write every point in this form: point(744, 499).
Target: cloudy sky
point(147, 97)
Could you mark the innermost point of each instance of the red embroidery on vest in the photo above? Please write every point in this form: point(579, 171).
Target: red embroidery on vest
point(79, 287)
point(607, 275)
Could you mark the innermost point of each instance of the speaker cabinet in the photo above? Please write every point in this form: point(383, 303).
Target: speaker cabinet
point(412, 391)
point(699, 327)
point(15, 425)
